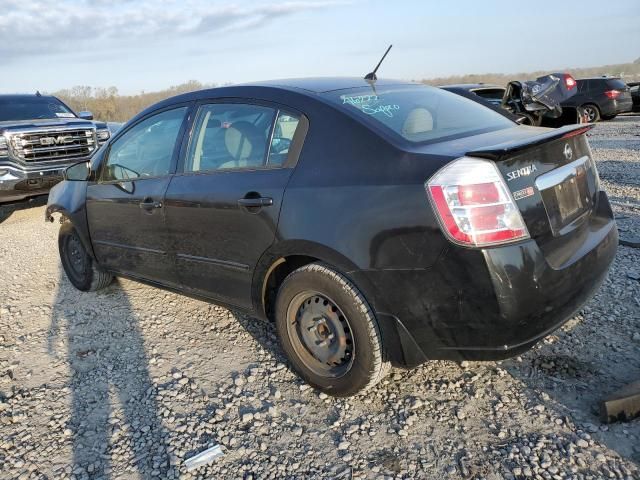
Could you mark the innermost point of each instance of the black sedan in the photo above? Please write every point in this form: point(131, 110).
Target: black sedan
point(377, 223)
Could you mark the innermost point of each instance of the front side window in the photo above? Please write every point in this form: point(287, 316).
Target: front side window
point(146, 149)
point(230, 136)
point(419, 113)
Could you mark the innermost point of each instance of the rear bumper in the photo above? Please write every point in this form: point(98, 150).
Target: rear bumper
point(614, 107)
point(494, 303)
point(17, 183)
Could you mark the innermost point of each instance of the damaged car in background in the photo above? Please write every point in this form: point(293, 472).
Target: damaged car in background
point(539, 102)
point(39, 137)
point(376, 222)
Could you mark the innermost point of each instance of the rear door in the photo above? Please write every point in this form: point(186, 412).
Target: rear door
point(125, 206)
point(222, 206)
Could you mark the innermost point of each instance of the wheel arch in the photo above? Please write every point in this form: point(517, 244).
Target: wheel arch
point(68, 199)
point(283, 258)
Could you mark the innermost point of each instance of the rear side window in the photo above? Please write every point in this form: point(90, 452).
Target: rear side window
point(240, 136)
point(283, 132)
point(419, 113)
point(616, 84)
point(228, 136)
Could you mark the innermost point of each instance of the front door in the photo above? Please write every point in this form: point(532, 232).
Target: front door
point(125, 206)
point(222, 208)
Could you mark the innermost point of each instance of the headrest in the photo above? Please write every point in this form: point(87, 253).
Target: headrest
point(418, 121)
point(241, 138)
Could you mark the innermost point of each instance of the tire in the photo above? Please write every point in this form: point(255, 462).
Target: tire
point(81, 269)
point(329, 332)
point(592, 112)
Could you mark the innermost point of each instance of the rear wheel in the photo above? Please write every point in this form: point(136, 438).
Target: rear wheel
point(592, 112)
point(81, 270)
point(329, 332)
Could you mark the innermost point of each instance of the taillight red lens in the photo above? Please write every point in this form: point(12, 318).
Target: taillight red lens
point(612, 93)
point(474, 205)
point(478, 194)
point(569, 81)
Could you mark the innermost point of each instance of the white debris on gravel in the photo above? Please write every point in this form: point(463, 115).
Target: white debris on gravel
point(131, 381)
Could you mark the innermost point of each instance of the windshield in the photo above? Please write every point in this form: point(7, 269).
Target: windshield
point(419, 113)
point(32, 108)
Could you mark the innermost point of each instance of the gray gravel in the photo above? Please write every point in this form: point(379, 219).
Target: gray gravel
point(130, 381)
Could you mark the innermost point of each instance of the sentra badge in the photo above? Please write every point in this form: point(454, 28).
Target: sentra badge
point(521, 172)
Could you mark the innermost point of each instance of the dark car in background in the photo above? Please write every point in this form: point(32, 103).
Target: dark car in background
point(531, 102)
point(491, 93)
point(634, 88)
point(39, 137)
point(377, 223)
point(601, 98)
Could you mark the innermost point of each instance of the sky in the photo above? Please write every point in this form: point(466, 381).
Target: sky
point(147, 45)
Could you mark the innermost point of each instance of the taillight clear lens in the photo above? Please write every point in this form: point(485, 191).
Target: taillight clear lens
point(474, 205)
point(612, 93)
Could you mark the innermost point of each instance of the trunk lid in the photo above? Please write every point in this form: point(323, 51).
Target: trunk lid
point(552, 178)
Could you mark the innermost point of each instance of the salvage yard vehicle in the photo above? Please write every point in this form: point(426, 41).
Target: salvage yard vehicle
point(376, 222)
point(601, 98)
point(40, 136)
point(634, 89)
point(533, 102)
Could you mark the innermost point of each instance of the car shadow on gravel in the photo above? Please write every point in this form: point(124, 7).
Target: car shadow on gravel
point(114, 422)
point(7, 209)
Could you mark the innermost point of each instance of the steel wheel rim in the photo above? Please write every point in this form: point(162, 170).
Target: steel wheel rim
point(76, 258)
point(320, 334)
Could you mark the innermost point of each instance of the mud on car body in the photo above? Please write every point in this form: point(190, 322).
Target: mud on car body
point(39, 137)
point(377, 223)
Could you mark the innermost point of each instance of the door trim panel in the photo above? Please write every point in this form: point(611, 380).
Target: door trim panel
point(214, 261)
point(130, 247)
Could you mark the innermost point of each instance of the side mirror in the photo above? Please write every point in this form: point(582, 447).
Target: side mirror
point(85, 115)
point(78, 172)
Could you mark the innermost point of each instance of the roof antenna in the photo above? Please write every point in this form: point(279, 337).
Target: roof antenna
point(372, 76)
point(38, 94)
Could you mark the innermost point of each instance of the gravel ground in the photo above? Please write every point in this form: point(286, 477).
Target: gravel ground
point(130, 381)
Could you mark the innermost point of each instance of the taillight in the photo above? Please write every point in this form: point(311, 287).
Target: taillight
point(569, 81)
point(612, 93)
point(474, 205)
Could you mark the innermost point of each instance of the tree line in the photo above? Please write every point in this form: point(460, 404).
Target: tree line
point(107, 104)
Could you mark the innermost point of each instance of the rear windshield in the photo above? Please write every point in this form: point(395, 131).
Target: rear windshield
point(32, 108)
point(617, 84)
point(419, 113)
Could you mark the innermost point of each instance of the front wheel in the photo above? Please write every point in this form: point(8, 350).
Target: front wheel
point(329, 332)
point(81, 270)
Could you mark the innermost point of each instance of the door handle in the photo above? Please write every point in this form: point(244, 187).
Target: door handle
point(255, 202)
point(148, 204)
